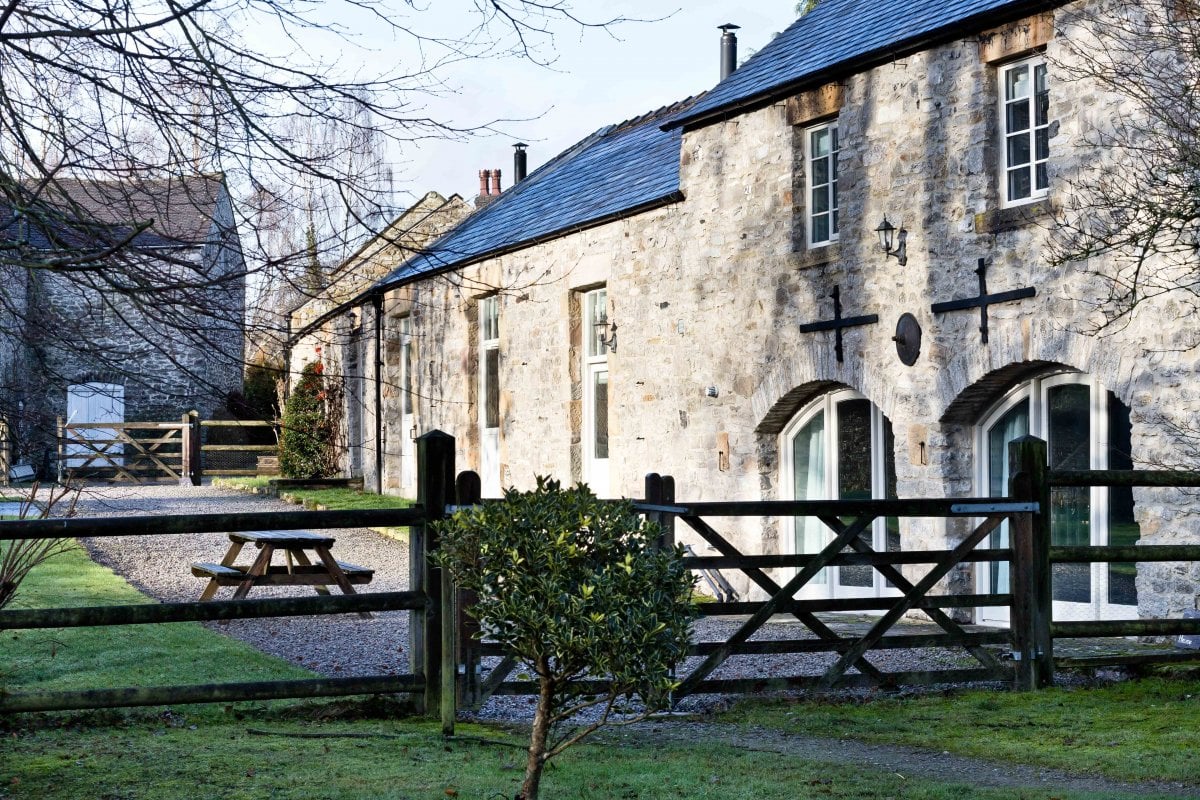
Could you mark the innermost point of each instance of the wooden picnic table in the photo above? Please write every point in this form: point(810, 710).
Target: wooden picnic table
point(297, 570)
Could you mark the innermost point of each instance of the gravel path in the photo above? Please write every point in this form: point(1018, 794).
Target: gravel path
point(336, 645)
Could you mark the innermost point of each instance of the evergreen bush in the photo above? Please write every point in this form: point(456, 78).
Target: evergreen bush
point(306, 441)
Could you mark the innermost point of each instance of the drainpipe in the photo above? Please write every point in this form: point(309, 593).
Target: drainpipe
point(377, 303)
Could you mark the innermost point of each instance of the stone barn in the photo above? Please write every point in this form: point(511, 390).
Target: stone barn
point(830, 276)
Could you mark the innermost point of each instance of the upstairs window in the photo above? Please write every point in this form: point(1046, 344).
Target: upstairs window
point(822, 161)
point(1025, 130)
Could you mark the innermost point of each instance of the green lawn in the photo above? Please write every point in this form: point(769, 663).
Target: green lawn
point(1146, 729)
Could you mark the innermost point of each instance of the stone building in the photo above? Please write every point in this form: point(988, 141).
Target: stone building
point(642, 302)
point(153, 331)
point(329, 327)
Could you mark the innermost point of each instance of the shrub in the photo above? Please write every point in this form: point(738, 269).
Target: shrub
point(573, 586)
point(306, 441)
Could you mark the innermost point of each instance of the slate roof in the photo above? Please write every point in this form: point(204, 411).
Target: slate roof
point(89, 213)
point(618, 170)
point(845, 36)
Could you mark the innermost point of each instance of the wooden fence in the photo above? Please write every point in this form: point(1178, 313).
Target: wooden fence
point(446, 656)
point(1021, 655)
point(435, 453)
point(138, 452)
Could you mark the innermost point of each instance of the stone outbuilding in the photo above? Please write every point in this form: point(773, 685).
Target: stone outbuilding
point(151, 329)
point(658, 297)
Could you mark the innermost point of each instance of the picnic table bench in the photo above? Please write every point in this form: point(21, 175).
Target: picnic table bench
point(297, 570)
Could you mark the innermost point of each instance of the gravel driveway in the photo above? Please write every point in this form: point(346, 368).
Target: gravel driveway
point(335, 645)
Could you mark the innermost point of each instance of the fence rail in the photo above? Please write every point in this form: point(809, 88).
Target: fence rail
point(447, 656)
point(184, 451)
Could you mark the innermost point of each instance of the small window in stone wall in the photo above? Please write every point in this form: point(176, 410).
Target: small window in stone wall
point(1025, 128)
point(821, 183)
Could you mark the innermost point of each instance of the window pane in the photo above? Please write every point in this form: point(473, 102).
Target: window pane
point(808, 471)
point(1013, 425)
point(406, 349)
point(1042, 181)
point(1042, 143)
point(1122, 527)
point(491, 384)
point(820, 229)
point(600, 412)
point(835, 221)
point(597, 313)
point(1018, 184)
point(819, 143)
point(1069, 419)
point(489, 323)
point(820, 201)
point(1016, 117)
point(820, 172)
point(1016, 82)
point(854, 474)
point(1018, 150)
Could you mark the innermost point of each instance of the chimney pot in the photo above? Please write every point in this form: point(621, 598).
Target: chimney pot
point(728, 49)
point(519, 162)
point(495, 182)
point(484, 174)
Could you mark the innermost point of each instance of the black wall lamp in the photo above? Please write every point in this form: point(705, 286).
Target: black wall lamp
point(606, 334)
point(889, 236)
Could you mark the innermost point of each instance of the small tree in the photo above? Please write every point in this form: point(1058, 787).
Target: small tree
point(573, 586)
point(19, 556)
point(306, 441)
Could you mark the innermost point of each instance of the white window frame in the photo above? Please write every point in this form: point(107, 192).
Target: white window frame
point(1028, 135)
point(594, 307)
point(829, 189)
point(408, 445)
point(1037, 392)
point(825, 585)
point(489, 436)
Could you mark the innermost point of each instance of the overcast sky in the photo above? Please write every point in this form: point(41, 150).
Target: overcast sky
point(596, 80)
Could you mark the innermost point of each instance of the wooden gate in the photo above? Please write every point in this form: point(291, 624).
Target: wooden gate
point(845, 521)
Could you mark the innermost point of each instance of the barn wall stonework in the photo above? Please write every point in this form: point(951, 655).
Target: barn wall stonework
point(709, 294)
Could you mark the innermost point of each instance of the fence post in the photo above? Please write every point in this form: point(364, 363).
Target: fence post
point(191, 470)
point(1032, 606)
point(435, 486)
point(468, 491)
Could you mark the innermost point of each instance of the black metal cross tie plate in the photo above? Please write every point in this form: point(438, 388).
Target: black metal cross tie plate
point(838, 323)
point(983, 300)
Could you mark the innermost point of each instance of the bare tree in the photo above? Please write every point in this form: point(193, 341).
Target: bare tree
point(1134, 218)
point(104, 105)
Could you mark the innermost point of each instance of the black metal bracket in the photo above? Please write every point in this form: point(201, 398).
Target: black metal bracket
point(838, 323)
point(983, 300)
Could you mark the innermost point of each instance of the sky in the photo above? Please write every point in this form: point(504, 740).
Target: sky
point(597, 78)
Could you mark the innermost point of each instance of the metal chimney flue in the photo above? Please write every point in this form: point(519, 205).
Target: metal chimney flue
point(519, 162)
point(728, 49)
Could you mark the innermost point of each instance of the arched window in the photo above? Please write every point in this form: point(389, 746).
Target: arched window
point(840, 447)
point(1086, 427)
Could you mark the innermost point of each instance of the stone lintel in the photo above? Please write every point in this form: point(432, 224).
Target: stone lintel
point(1000, 220)
point(806, 107)
point(1016, 38)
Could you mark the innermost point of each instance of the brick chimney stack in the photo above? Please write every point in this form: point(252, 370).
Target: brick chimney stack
point(489, 187)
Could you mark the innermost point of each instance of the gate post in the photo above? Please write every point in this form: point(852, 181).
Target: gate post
point(190, 470)
point(1032, 603)
point(435, 490)
point(463, 630)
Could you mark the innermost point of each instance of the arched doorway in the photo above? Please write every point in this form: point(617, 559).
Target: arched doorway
point(1086, 427)
point(840, 447)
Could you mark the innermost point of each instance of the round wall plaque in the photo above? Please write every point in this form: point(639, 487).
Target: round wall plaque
point(908, 339)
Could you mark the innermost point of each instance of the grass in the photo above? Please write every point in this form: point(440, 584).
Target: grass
point(133, 655)
point(340, 499)
point(1136, 730)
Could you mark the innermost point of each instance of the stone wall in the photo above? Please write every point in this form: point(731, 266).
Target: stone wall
point(709, 294)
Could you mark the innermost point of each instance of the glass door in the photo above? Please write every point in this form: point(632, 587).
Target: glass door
point(842, 447)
